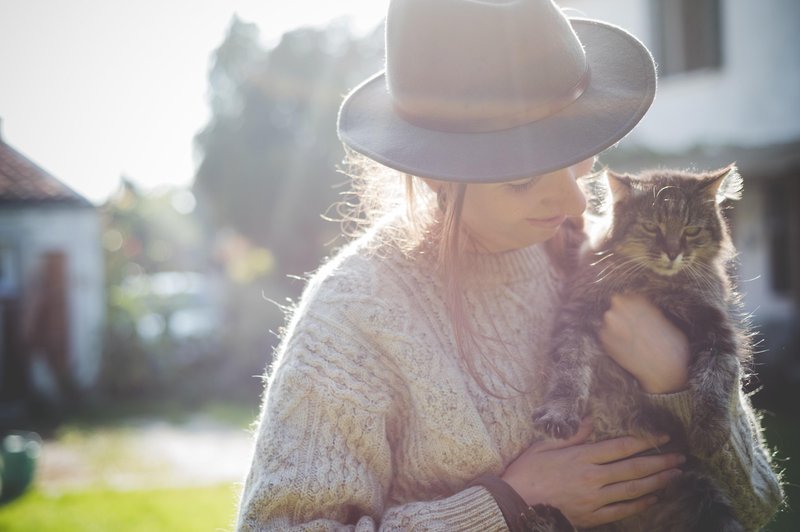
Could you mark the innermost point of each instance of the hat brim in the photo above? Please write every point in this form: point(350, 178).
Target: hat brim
point(621, 89)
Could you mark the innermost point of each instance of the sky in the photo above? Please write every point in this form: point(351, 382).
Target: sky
point(91, 90)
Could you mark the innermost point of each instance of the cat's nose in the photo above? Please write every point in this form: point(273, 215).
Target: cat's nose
point(672, 254)
point(672, 247)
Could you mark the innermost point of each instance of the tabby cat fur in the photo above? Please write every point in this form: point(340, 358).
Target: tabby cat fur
point(669, 241)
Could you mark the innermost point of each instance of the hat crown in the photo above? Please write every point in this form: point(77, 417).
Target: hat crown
point(481, 65)
point(488, 91)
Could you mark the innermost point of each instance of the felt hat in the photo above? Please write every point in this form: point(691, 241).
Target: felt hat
point(482, 91)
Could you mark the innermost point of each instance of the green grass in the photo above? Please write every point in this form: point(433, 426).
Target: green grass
point(101, 435)
point(174, 510)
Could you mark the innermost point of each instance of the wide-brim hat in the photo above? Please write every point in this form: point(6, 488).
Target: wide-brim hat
point(483, 91)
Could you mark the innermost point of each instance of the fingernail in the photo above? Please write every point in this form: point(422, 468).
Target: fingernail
point(681, 458)
point(663, 438)
point(675, 473)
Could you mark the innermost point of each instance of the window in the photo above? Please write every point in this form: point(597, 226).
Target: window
point(784, 230)
point(687, 35)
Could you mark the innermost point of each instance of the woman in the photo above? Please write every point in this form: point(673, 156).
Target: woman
point(402, 393)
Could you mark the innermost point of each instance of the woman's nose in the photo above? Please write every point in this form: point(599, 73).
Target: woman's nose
point(565, 194)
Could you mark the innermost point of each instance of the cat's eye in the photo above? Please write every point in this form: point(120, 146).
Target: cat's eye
point(650, 227)
point(692, 231)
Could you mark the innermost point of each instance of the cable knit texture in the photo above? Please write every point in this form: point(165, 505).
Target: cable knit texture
point(370, 420)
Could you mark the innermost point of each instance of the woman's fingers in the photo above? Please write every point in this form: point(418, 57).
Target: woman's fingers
point(641, 467)
point(635, 489)
point(623, 499)
point(592, 483)
point(618, 448)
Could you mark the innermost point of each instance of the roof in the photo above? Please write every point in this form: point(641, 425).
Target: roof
point(23, 182)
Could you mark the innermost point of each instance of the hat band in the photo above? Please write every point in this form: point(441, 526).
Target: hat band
point(489, 122)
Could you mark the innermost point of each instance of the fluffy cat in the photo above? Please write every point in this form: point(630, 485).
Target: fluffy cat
point(669, 241)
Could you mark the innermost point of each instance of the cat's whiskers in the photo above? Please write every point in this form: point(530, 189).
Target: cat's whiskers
point(621, 270)
point(709, 268)
point(617, 285)
point(696, 275)
point(610, 268)
point(703, 274)
point(608, 254)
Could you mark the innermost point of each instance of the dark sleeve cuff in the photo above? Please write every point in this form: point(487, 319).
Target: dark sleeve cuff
point(518, 515)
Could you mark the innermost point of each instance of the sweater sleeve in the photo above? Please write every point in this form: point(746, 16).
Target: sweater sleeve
point(743, 464)
point(323, 459)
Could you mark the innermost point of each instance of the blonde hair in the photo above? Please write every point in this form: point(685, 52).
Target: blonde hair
point(401, 205)
point(409, 212)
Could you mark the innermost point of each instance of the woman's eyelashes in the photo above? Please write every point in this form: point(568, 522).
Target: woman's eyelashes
point(522, 186)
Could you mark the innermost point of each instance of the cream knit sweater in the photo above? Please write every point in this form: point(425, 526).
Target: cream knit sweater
point(371, 422)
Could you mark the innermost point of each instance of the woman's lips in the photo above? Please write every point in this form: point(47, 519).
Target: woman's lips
point(553, 221)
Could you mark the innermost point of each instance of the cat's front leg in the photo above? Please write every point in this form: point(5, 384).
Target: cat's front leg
point(714, 383)
point(561, 416)
point(565, 402)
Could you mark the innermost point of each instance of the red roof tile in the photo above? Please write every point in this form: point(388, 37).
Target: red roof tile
point(21, 180)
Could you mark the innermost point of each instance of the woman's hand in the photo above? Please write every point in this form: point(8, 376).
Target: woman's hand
point(592, 484)
point(640, 339)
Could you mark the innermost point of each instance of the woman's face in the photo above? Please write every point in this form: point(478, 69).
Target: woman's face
point(516, 214)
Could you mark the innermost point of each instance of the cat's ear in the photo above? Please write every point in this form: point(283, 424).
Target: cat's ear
point(619, 185)
point(723, 184)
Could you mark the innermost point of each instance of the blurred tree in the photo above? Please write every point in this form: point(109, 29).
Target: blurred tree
point(144, 234)
point(186, 312)
point(270, 151)
point(149, 233)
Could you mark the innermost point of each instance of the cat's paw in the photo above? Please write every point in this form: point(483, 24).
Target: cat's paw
point(555, 423)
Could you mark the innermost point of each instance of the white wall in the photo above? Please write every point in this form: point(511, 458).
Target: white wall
point(75, 232)
point(753, 100)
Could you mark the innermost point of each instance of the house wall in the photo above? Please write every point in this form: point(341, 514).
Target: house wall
point(76, 233)
point(752, 100)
